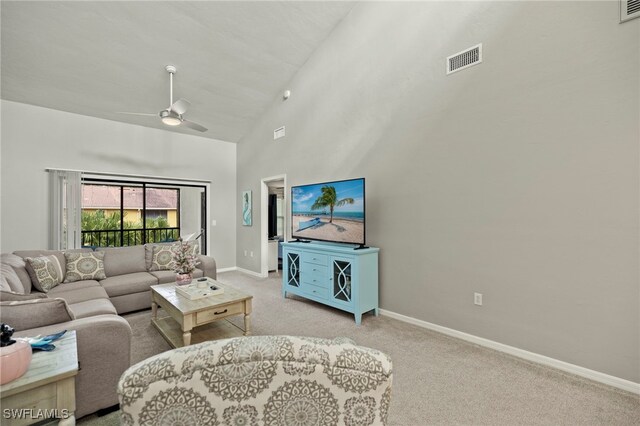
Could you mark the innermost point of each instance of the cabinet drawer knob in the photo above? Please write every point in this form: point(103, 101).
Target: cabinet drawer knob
point(222, 312)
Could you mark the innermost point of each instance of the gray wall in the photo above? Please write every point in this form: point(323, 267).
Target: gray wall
point(516, 178)
point(35, 138)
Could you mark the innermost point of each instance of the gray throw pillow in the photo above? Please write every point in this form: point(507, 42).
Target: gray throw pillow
point(10, 281)
point(84, 266)
point(45, 272)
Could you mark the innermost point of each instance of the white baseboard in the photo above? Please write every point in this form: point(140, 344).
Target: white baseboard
point(244, 271)
point(597, 376)
point(248, 272)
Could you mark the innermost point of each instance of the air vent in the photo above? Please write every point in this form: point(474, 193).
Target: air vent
point(629, 9)
point(465, 59)
point(279, 133)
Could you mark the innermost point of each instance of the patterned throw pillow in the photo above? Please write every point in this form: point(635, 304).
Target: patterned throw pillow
point(85, 266)
point(45, 272)
point(162, 258)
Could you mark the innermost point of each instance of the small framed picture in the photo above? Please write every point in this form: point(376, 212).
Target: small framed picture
point(246, 208)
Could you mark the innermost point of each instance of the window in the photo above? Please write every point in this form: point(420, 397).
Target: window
point(116, 214)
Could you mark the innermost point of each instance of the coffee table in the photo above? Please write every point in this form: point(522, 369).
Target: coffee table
point(184, 315)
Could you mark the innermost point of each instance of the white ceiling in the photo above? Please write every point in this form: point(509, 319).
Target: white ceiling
point(97, 58)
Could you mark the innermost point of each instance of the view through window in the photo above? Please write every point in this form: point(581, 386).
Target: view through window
point(115, 215)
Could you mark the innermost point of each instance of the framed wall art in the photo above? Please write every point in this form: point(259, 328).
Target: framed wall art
point(246, 208)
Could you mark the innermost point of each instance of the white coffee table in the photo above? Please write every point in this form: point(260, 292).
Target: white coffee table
point(185, 315)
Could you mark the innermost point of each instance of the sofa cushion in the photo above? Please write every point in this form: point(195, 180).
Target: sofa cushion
point(75, 286)
point(123, 260)
point(34, 313)
point(84, 266)
point(45, 272)
point(165, 277)
point(129, 283)
point(92, 308)
point(80, 293)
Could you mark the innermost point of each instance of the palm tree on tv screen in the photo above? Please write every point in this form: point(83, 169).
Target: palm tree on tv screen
point(329, 198)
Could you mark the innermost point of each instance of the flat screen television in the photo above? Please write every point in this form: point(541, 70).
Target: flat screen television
point(329, 211)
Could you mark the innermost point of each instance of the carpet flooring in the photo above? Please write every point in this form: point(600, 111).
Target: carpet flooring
point(438, 380)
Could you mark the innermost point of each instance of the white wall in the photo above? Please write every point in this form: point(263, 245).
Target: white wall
point(34, 138)
point(517, 178)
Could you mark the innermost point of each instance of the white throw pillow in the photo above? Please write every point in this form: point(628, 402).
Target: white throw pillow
point(84, 266)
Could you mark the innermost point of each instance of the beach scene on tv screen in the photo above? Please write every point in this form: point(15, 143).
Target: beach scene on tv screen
point(329, 211)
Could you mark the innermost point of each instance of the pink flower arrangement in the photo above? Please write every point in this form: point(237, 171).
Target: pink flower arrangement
point(184, 259)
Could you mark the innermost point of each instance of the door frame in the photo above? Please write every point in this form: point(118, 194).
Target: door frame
point(264, 218)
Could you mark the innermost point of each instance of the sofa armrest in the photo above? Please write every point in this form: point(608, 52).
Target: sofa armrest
point(27, 314)
point(104, 353)
point(208, 266)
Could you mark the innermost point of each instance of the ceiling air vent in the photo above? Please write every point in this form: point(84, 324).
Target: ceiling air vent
point(465, 59)
point(629, 9)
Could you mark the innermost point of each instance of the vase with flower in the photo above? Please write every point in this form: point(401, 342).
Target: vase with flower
point(184, 262)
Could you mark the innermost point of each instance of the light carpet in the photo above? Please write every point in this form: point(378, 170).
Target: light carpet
point(437, 379)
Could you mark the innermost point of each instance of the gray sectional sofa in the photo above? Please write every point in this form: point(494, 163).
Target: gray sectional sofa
point(91, 307)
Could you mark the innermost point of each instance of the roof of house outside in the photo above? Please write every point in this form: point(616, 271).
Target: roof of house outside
point(108, 197)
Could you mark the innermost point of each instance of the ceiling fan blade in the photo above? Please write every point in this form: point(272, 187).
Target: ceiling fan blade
point(194, 126)
point(138, 113)
point(180, 106)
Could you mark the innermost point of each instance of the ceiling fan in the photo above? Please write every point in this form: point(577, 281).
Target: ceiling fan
point(173, 116)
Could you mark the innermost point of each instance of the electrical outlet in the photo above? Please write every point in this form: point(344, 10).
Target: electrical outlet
point(477, 299)
point(251, 254)
point(245, 253)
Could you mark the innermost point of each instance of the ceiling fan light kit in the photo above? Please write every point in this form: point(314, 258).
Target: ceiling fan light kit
point(172, 116)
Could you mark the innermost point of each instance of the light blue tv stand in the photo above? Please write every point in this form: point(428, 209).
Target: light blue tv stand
point(332, 274)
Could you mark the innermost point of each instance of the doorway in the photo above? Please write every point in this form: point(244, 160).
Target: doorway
point(273, 222)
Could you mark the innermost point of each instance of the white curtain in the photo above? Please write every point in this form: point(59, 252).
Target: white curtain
point(66, 205)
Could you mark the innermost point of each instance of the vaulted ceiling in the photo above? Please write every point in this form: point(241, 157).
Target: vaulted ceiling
point(97, 58)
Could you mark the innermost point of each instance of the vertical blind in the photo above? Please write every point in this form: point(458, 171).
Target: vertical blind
point(65, 209)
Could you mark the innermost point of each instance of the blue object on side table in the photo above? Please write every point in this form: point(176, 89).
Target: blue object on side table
point(44, 343)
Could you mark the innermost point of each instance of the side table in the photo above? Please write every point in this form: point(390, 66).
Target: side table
point(47, 390)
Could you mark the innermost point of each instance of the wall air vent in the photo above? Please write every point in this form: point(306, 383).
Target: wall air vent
point(465, 59)
point(629, 9)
